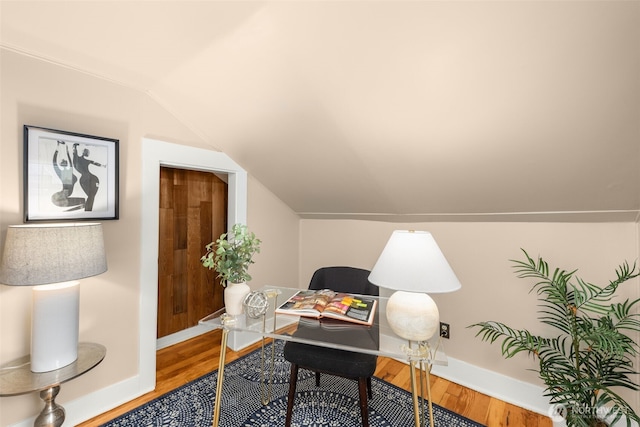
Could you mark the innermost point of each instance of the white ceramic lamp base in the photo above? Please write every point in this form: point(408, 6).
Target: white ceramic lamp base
point(413, 316)
point(54, 327)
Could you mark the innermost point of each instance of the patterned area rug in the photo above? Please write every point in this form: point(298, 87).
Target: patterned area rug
point(333, 404)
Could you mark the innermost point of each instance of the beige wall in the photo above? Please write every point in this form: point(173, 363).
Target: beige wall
point(40, 94)
point(277, 227)
point(479, 254)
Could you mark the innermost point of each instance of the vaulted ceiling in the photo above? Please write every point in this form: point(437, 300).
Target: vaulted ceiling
point(398, 110)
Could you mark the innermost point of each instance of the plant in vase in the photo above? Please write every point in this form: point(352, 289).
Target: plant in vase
point(230, 256)
point(590, 356)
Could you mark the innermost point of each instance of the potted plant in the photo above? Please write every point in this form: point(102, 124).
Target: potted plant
point(591, 353)
point(230, 256)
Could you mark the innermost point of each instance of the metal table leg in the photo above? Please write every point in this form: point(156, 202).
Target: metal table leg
point(218, 400)
point(427, 370)
point(414, 394)
point(53, 414)
point(226, 321)
point(422, 354)
point(265, 397)
point(265, 390)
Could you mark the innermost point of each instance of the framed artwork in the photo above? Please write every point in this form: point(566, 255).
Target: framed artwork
point(69, 176)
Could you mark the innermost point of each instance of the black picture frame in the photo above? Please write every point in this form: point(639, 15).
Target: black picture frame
point(69, 176)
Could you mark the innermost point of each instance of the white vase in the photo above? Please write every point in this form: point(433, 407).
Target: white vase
point(234, 294)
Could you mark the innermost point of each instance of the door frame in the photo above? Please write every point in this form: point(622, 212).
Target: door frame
point(155, 154)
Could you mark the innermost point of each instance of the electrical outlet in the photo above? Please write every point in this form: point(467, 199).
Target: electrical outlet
point(445, 330)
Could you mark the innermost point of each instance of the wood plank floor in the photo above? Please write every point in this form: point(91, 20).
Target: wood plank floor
point(186, 361)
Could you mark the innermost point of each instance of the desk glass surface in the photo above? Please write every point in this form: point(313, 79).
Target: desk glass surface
point(335, 334)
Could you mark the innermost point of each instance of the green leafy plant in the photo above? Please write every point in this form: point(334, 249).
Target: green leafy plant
point(232, 254)
point(592, 353)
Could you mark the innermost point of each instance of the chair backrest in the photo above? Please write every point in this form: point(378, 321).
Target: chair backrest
point(344, 279)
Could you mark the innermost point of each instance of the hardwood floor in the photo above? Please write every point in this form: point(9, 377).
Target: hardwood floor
point(186, 361)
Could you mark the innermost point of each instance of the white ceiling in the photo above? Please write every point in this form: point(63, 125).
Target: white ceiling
point(396, 110)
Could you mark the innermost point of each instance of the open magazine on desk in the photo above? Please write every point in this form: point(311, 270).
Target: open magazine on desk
point(328, 304)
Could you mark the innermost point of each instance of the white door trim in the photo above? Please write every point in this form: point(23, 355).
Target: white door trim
point(154, 155)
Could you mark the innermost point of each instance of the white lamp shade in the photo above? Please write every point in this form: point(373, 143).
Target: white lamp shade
point(412, 261)
point(52, 253)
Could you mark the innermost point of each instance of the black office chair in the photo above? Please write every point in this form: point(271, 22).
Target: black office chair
point(357, 366)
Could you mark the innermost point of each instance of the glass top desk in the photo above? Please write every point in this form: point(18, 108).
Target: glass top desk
point(376, 339)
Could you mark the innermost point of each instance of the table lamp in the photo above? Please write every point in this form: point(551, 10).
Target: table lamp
point(412, 264)
point(51, 258)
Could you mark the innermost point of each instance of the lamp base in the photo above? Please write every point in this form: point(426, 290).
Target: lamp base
point(413, 316)
point(54, 327)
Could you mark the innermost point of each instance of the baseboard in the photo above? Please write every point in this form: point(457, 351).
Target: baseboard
point(510, 390)
point(180, 336)
point(519, 393)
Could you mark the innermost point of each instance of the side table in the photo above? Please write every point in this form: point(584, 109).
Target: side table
point(16, 378)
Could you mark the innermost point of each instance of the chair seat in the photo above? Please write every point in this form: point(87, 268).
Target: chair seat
point(343, 363)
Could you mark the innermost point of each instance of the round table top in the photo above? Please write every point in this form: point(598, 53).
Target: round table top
point(16, 376)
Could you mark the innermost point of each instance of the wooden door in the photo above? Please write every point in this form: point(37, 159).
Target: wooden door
point(193, 212)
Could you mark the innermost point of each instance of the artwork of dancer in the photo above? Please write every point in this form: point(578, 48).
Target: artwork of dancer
point(64, 170)
point(88, 181)
point(70, 176)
